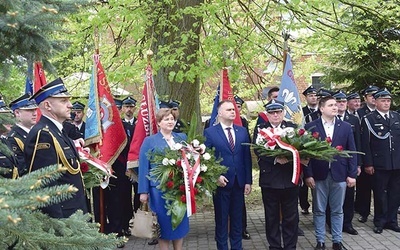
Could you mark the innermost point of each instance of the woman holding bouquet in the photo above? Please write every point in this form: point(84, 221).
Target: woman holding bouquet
point(148, 190)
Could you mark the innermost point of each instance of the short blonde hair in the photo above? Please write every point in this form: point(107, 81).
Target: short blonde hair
point(163, 112)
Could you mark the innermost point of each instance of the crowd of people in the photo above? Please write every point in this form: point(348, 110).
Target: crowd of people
point(338, 188)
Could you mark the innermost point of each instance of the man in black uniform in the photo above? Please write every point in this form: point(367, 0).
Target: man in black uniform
point(380, 135)
point(353, 103)
point(312, 105)
point(279, 194)
point(47, 144)
point(7, 161)
point(317, 114)
point(180, 126)
point(364, 181)
point(78, 113)
point(25, 112)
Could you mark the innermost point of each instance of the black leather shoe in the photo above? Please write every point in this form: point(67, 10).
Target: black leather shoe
point(338, 246)
point(305, 211)
point(300, 232)
point(246, 235)
point(350, 230)
point(378, 230)
point(320, 246)
point(394, 228)
point(362, 219)
point(153, 242)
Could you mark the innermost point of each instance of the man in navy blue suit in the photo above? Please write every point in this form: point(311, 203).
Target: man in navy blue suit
point(329, 179)
point(228, 139)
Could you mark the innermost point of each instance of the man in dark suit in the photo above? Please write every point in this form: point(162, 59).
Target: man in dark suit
point(380, 137)
point(329, 179)
point(312, 105)
point(348, 205)
point(364, 181)
point(279, 194)
point(47, 144)
point(77, 114)
point(228, 139)
point(25, 112)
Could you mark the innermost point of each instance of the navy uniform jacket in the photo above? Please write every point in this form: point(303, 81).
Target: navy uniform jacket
point(380, 140)
point(7, 162)
point(342, 167)
point(45, 154)
point(82, 129)
point(307, 110)
point(72, 131)
point(363, 111)
point(16, 141)
point(312, 116)
point(272, 175)
point(355, 126)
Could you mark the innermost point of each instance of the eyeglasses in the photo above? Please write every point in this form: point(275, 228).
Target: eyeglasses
point(274, 112)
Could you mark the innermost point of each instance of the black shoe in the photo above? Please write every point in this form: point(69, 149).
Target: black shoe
point(338, 246)
point(320, 246)
point(153, 242)
point(127, 232)
point(363, 219)
point(378, 230)
point(305, 211)
point(246, 235)
point(394, 228)
point(350, 230)
point(300, 232)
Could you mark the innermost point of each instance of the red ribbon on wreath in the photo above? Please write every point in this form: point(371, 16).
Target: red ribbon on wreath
point(190, 176)
point(270, 135)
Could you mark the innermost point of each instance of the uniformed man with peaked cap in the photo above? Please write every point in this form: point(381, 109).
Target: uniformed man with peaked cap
point(78, 109)
point(25, 112)
point(47, 144)
point(380, 137)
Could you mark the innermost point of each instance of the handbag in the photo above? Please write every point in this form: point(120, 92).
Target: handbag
point(145, 224)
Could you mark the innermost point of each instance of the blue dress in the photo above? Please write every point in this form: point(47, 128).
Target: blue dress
point(156, 202)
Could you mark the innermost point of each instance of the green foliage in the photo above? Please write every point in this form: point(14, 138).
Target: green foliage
point(25, 227)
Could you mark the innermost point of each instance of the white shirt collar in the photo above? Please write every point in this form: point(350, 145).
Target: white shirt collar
point(58, 125)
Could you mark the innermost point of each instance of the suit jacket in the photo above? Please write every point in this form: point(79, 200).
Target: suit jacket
point(150, 144)
point(238, 161)
point(274, 175)
point(342, 167)
point(18, 134)
point(43, 153)
point(355, 126)
point(381, 140)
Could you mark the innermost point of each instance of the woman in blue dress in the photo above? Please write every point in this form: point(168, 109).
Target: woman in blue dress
point(148, 191)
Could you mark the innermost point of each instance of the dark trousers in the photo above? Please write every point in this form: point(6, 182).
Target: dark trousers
point(348, 209)
point(228, 203)
point(136, 197)
point(386, 187)
point(244, 218)
point(277, 201)
point(363, 194)
point(303, 197)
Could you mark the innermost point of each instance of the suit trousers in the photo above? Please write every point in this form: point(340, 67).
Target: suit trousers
point(228, 203)
point(386, 187)
point(277, 201)
point(363, 194)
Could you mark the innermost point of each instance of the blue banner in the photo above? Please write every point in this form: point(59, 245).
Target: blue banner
point(93, 126)
point(214, 113)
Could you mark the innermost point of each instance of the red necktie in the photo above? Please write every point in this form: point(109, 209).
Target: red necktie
point(230, 137)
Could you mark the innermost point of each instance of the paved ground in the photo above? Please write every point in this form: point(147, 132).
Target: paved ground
point(201, 235)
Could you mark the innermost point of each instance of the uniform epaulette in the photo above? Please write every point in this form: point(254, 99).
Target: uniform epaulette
point(46, 129)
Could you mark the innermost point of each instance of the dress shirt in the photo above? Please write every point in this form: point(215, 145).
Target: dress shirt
point(328, 127)
point(226, 132)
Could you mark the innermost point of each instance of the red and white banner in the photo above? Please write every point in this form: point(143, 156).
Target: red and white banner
point(146, 124)
point(190, 176)
point(226, 93)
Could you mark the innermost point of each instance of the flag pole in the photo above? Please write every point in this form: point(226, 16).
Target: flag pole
point(101, 192)
point(285, 36)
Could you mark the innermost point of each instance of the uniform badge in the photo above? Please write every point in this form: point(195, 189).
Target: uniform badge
point(379, 133)
point(43, 146)
point(381, 127)
point(379, 116)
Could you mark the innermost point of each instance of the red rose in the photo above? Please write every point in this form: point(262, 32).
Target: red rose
point(315, 135)
point(271, 143)
point(179, 163)
point(182, 188)
point(339, 147)
point(328, 139)
point(171, 175)
point(183, 198)
point(199, 179)
point(301, 131)
point(84, 167)
point(170, 184)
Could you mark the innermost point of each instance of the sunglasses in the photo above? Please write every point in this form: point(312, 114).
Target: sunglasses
point(274, 112)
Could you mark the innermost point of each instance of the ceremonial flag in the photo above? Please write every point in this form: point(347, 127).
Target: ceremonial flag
point(93, 121)
point(146, 124)
point(39, 77)
point(289, 94)
point(226, 93)
point(28, 82)
point(113, 136)
point(214, 113)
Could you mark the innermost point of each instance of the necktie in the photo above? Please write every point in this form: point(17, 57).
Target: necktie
point(230, 138)
point(312, 110)
point(340, 117)
point(386, 117)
